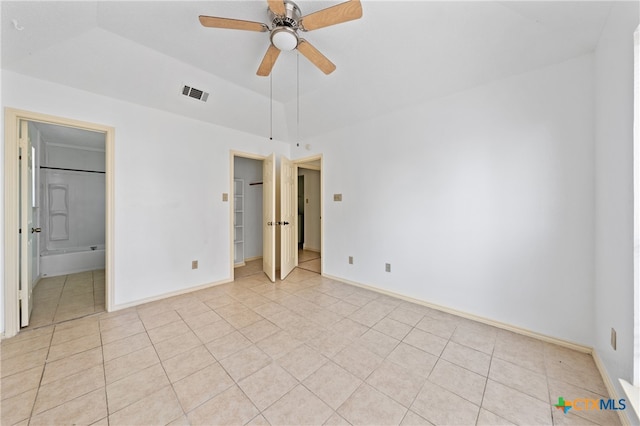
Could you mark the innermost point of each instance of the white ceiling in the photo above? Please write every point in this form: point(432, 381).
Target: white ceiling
point(71, 137)
point(398, 54)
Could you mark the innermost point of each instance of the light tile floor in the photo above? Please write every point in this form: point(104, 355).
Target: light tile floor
point(58, 299)
point(308, 350)
point(309, 260)
point(250, 267)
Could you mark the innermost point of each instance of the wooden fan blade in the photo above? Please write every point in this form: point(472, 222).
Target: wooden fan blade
point(316, 58)
point(268, 61)
point(277, 7)
point(343, 12)
point(233, 24)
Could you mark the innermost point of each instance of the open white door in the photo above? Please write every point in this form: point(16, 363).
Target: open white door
point(26, 224)
point(269, 217)
point(288, 203)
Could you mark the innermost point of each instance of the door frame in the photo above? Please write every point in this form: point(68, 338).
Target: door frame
point(232, 155)
point(11, 200)
point(299, 163)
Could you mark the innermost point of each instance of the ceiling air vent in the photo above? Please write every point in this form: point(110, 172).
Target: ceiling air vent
point(192, 92)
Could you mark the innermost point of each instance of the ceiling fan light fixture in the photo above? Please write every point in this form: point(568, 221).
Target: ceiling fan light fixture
point(284, 38)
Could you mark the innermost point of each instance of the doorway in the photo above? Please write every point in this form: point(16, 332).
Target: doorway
point(279, 200)
point(69, 213)
point(239, 188)
point(22, 255)
point(247, 216)
point(309, 209)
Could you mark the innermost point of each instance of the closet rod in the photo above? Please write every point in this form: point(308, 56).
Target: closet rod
point(70, 170)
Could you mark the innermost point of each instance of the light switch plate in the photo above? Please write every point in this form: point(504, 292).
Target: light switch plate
point(614, 339)
point(337, 197)
point(225, 196)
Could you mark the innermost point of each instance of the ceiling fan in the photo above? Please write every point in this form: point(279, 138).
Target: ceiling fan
point(285, 22)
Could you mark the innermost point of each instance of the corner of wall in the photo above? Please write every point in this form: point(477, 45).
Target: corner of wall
point(614, 197)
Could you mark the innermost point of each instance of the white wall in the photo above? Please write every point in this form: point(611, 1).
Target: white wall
point(311, 208)
point(73, 157)
point(614, 294)
point(251, 171)
point(2, 248)
point(170, 173)
point(481, 201)
point(86, 196)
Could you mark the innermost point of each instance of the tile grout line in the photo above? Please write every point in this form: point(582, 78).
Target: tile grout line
point(104, 373)
point(217, 361)
point(427, 377)
point(486, 383)
point(33, 406)
point(161, 365)
point(213, 356)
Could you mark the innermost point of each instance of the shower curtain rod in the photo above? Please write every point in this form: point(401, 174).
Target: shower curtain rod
point(70, 170)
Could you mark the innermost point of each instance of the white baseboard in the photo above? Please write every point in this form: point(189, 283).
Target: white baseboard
point(249, 259)
point(611, 389)
point(519, 330)
point(121, 306)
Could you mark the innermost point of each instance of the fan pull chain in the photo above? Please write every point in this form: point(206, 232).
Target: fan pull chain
point(298, 98)
point(271, 106)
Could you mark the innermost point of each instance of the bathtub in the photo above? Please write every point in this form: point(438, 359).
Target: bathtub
point(71, 260)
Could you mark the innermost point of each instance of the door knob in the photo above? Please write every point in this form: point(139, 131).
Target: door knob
point(36, 230)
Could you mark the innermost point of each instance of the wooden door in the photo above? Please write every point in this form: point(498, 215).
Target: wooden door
point(288, 212)
point(27, 230)
point(269, 217)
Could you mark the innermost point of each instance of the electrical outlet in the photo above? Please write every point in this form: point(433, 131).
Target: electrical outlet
point(337, 197)
point(350, 260)
point(387, 267)
point(194, 264)
point(614, 342)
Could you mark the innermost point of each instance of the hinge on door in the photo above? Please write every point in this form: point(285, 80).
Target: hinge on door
point(20, 231)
